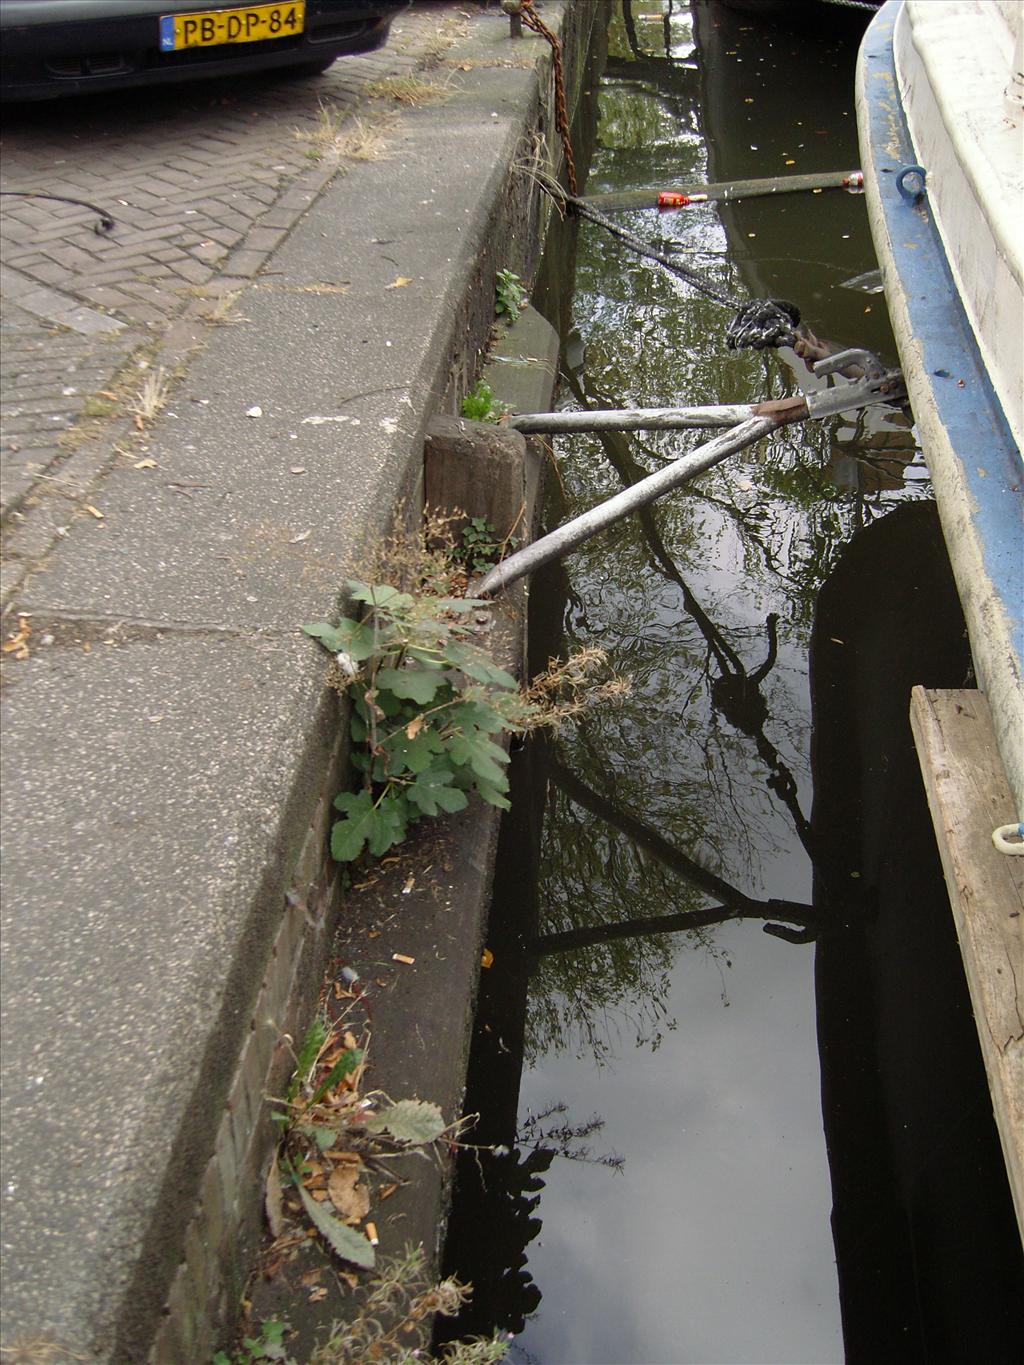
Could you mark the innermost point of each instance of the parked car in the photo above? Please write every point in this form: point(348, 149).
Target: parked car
point(50, 48)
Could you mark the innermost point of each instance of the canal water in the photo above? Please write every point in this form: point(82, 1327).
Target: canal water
point(680, 1050)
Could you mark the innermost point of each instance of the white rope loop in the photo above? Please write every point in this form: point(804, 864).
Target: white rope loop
point(1009, 839)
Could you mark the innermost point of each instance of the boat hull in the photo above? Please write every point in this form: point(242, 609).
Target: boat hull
point(963, 426)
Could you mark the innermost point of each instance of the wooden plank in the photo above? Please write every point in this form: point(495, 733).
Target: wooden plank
point(969, 797)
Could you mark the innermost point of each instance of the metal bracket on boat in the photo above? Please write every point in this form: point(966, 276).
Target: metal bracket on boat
point(876, 384)
point(912, 196)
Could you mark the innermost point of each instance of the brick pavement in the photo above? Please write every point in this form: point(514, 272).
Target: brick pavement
point(171, 743)
point(204, 181)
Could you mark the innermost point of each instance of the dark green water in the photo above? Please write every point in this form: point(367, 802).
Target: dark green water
point(696, 1051)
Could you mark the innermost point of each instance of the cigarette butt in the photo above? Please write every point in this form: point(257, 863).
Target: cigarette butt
point(401, 957)
point(371, 1233)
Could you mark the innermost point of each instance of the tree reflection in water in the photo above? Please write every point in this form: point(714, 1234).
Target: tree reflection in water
point(686, 806)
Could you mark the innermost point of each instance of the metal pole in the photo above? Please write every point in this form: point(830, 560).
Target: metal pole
point(723, 190)
point(634, 419)
point(581, 528)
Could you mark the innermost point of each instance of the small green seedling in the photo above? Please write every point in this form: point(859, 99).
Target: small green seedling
point(480, 404)
point(269, 1345)
point(480, 548)
point(510, 296)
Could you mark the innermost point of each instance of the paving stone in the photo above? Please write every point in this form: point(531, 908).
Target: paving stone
point(153, 745)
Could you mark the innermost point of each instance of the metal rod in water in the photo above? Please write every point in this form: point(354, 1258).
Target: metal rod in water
point(724, 190)
point(581, 528)
point(634, 419)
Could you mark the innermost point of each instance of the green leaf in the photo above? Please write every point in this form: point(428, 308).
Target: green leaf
point(389, 827)
point(324, 1137)
point(474, 714)
point(328, 636)
point(493, 796)
point(482, 755)
point(380, 824)
point(476, 664)
point(414, 1121)
point(416, 684)
point(346, 1063)
point(350, 637)
point(379, 595)
point(343, 1240)
point(432, 792)
point(389, 703)
point(316, 1036)
point(349, 835)
point(427, 654)
point(414, 754)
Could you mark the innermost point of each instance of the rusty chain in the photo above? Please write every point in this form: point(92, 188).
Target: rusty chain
point(533, 21)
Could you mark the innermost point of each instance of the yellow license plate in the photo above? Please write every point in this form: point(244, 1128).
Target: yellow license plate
point(253, 24)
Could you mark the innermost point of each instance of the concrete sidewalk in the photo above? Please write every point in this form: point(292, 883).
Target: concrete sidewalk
point(170, 747)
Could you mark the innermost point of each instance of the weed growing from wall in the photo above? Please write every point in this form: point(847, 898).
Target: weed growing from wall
point(480, 404)
point(510, 296)
point(430, 707)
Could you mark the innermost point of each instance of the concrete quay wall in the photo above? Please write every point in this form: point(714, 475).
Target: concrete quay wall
point(170, 745)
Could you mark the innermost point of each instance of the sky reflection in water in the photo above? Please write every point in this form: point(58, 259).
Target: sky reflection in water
point(698, 1051)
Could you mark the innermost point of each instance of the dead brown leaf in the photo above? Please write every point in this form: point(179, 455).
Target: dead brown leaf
point(348, 1194)
point(17, 644)
point(274, 1200)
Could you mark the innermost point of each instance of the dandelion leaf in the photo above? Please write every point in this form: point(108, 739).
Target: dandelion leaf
point(344, 1066)
point(417, 1122)
point(343, 1241)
